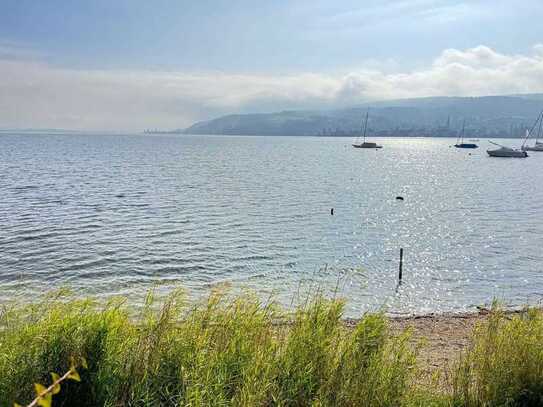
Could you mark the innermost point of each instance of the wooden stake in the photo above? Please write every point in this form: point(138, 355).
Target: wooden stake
point(401, 266)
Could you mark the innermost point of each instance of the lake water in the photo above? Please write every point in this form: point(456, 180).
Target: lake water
point(112, 214)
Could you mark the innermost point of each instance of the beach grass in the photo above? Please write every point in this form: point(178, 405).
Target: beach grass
point(237, 350)
point(504, 363)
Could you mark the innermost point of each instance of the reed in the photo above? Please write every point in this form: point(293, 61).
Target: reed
point(237, 350)
point(504, 364)
point(221, 351)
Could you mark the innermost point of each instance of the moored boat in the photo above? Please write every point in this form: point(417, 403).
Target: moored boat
point(538, 145)
point(460, 140)
point(466, 145)
point(504, 151)
point(364, 143)
point(367, 144)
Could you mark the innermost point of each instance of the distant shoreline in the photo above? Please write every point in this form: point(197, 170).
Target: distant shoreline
point(174, 133)
point(321, 136)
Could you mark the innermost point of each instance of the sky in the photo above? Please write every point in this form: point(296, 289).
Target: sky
point(135, 64)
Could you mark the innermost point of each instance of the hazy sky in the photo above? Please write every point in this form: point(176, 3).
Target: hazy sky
point(132, 64)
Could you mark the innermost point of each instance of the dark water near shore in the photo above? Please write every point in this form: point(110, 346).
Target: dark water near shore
point(120, 214)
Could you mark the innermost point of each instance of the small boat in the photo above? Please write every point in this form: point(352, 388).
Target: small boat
point(365, 144)
point(460, 140)
point(466, 145)
point(538, 146)
point(504, 151)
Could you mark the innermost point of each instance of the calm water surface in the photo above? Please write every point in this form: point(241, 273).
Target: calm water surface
point(112, 215)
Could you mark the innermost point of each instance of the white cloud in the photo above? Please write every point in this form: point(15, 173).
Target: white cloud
point(36, 94)
point(478, 57)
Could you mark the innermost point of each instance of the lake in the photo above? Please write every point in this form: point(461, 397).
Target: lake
point(120, 214)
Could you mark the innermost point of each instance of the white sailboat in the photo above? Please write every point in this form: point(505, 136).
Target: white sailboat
point(538, 146)
point(364, 143)
point(504, 151)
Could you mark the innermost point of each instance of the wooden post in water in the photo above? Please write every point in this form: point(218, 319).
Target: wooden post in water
point(401, 266)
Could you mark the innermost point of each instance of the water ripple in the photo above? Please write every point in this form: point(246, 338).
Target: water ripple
point(112, 215)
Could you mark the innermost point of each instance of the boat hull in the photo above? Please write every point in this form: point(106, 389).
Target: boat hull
point(367, 145)
point(466, 145)
point(511, 154)
point(537, 147)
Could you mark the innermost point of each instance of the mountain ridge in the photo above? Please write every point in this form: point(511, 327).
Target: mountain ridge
point(493, 116)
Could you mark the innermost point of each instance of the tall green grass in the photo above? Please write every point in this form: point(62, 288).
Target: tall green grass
point(221, 351)
point(239, 351)
point(501, 367)
point(504, 364)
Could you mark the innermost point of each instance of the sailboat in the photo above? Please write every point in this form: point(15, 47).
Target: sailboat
point(538, 145)
point(504, 151)
point(365, 144)
point(460, 140)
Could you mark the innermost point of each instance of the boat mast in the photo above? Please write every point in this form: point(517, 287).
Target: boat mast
point(539, 129)
point(539, 117)
point(463, 128)
point(366, 125)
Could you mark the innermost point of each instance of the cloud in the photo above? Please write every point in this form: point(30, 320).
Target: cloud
point(37, 94)
point(378, 12)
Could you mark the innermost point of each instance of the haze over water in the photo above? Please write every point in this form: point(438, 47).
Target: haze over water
point(110, 215)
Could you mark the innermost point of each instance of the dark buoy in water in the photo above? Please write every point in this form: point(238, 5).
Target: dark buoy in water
point(399, 198)
point(332, 211)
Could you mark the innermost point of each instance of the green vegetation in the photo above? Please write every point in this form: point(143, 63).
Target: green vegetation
point(44, 395)
point(504, 366)
point(239, 351)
